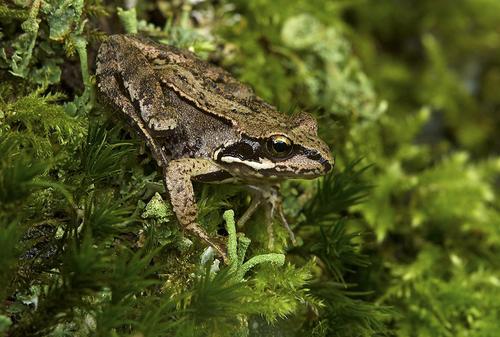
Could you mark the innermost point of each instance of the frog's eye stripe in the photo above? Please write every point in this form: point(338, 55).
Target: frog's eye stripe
point(245, 152)
point(262, 164)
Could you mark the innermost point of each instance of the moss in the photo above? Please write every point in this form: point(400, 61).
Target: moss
point(401, 239)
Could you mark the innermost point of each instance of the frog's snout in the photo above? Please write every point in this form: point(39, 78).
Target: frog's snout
point(328, 164)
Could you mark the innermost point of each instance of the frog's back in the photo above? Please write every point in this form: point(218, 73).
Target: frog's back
point(213, 90)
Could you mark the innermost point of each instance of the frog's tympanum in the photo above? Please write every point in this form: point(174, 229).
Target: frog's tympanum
point(201, 124)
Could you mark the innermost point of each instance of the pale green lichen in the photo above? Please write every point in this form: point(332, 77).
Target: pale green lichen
point(128, 18)
point(86, 100)
point(26, 42)
point(157, 209)
point(64, 17)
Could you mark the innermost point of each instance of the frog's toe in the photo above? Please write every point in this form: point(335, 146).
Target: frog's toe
point(218, 244)
point(220, 247)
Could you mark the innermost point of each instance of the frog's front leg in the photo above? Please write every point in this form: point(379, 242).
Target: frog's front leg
point(178, 179)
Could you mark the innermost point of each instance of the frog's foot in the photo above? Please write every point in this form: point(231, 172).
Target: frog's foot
point(269, 197)
point(217, 244)
point(254, 205)
point(277, 207)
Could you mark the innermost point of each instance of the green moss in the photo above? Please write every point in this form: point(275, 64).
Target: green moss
point(403, 241)
point(157, 209)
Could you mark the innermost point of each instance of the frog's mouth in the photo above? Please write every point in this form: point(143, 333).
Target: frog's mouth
point(300, 167)
point(296, 167)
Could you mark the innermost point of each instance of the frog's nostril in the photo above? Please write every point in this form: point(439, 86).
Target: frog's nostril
point(327, 166)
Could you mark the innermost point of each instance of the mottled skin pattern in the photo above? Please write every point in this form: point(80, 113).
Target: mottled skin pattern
point(202, 124)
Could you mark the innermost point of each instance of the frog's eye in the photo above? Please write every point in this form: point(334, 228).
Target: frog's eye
point(279, 146)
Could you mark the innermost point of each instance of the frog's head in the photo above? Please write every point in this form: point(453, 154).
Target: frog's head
point(292, 150)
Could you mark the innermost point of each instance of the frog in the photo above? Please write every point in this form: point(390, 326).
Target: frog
point(201, 124)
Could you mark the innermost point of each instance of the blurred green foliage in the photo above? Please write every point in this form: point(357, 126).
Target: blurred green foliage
point(402, 239)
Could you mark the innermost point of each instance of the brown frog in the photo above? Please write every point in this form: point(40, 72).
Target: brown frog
point(201, 124)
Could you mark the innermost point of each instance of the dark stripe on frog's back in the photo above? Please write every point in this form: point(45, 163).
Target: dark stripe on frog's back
point(250, 114)
point(198, 134)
